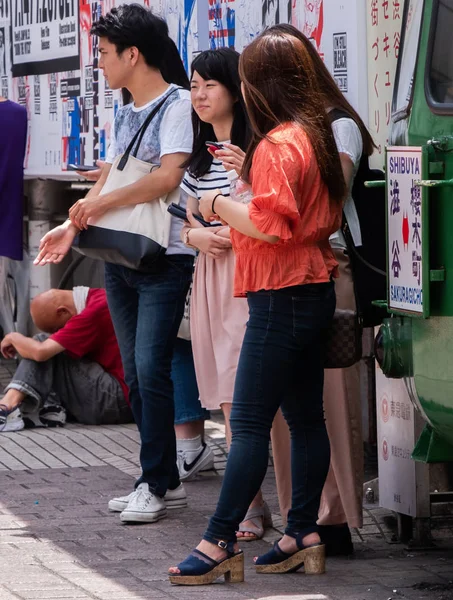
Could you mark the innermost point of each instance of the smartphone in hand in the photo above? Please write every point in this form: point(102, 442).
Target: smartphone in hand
point(181, 213)
point(214, 146)
point(83, 168)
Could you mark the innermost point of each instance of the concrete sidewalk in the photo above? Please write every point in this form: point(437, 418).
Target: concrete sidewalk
point(58, 539)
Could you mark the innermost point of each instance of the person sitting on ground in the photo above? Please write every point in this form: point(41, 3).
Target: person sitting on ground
point(77, 369)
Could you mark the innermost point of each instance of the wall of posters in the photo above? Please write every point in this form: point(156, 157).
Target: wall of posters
point(69, 104)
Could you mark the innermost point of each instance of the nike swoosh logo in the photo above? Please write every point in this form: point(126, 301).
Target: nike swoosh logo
point(188, 467)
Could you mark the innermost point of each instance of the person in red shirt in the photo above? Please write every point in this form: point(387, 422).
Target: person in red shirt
point(77, 369)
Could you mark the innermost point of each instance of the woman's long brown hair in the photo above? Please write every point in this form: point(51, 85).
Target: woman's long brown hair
point(280, 86)
point(332, 95)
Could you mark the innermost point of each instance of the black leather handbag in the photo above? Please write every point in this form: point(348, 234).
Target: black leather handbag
point(344, 340)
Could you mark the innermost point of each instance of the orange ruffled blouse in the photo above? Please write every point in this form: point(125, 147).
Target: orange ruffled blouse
point(290, 201)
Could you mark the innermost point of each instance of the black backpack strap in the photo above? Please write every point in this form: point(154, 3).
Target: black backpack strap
point(138, 137)
point(337, 113)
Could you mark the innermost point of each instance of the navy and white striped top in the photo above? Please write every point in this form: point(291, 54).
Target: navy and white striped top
point(215, 178)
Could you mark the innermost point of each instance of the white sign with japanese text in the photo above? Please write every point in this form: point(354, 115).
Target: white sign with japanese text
point(396, 440)
point(404, 213)
point(384, 19)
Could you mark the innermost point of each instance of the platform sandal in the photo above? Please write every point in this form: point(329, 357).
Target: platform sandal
point(200, 569)
point(261, 519)
point(312, 557)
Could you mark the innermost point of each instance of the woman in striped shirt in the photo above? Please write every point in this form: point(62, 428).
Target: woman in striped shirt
point(217, 319)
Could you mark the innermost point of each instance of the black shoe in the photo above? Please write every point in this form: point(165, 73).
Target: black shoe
point(337, 539)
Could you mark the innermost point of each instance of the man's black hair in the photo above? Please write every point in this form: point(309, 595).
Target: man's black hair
point(131, 25)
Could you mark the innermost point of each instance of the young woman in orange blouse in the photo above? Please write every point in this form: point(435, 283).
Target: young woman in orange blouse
point(284, 266)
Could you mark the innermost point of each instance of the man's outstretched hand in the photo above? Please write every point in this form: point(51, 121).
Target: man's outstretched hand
point(56, 244)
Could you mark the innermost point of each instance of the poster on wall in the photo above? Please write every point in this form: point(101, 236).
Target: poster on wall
point(222, 24)
point(275, 12)
point(45, 36)
point(396, 440)
point(251, 18)
point(336, 31)
point(383, 44)
point(181, 18)
point(308, 16)
point(5, 45)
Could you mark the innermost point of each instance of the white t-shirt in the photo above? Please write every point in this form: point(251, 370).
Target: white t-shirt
point(349, 141)
point(169, 132)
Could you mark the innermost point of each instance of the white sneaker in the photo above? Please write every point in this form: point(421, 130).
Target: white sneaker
point(191, 463)
point(176, 498)
point(11, 421)
point(120, 503)
point(144, 507)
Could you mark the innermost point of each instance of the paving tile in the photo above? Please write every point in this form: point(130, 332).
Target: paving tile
point(58, 539)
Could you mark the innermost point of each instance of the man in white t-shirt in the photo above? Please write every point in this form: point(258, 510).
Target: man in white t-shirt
point(136, 53)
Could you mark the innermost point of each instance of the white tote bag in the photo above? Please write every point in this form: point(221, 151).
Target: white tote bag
point(134, 236)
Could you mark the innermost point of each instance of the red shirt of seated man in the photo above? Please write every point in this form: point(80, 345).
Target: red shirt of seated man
point(90, 334)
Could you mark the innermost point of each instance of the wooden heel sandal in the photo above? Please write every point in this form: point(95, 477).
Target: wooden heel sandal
point(277, 561)
point(200, 569)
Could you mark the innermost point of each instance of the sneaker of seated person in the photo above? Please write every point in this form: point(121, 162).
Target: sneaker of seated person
point(10, 420)
point(193, 461)
point(144, 507)
point(174, 499)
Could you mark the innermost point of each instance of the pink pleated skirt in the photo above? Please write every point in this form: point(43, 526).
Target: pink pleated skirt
point(217, 327)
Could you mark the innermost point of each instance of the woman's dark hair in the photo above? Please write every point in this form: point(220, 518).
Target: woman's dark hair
point(133, 25)
point(281, 85)
point(219, 65)
point(332, 95)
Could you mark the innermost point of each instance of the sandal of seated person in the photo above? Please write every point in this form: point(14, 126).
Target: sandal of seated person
point(277, 561)
point(200, 569)
point(260, 518)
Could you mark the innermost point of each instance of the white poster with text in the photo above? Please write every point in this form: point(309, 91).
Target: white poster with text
point(45, 36)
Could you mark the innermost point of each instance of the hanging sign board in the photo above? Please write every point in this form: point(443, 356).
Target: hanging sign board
point(405, 221)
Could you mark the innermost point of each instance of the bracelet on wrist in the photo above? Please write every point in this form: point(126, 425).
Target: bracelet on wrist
point(186, 237)
point(213, 202)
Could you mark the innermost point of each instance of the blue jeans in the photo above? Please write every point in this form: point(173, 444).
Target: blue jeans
point(281, 364)
point(187, 399)
point(146, 310)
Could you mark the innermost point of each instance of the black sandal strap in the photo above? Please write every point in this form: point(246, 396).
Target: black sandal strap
point(299, 539)
point(280, 552)
point(204, 557)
